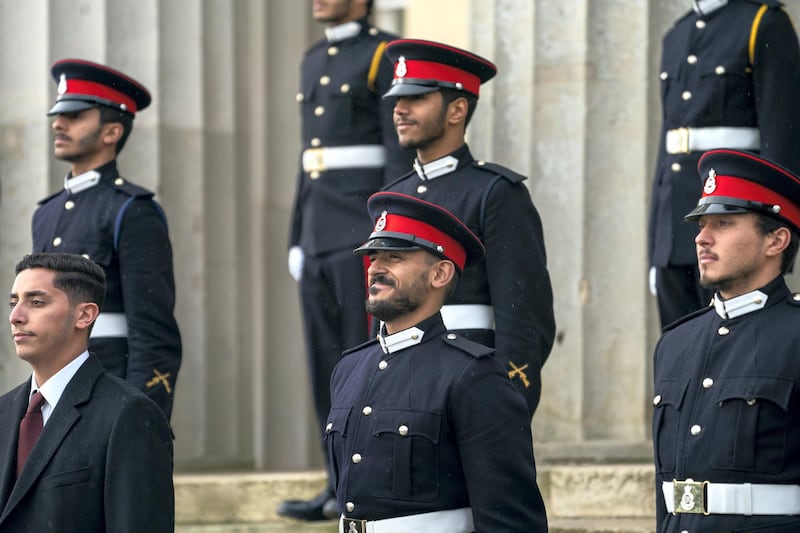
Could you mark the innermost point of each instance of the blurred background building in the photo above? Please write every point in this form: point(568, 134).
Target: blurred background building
point(575, 107)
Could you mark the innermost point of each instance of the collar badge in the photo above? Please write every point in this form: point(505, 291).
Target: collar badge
point(711, 182)
point(401, 70)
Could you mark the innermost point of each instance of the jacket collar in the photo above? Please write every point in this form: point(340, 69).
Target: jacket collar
point(87, 180)
point(342, 32)
point(751, 301)
point(444, 165)
point(703, 8)
point(412, 336)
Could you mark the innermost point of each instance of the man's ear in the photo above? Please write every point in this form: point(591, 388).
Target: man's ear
point(781, 238)
point(85, 314)
point(442, 273)
point(457, 111)
point(112, 132)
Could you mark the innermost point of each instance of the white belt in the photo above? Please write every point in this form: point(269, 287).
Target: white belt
point(110, 325)
point(468, 316)
point(452, 521)
point(685, 140)
point(358, 156)
point(730, 498)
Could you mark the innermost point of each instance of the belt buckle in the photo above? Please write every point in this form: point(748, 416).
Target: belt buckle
point(689, 497)
point(354, 525)
point(314, 160)
point(678, 141)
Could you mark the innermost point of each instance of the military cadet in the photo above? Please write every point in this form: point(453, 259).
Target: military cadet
point(506, 301)
point(414, 444)
point(350, 151)
point(726, 426)
point(729, 76)
point(103, 216)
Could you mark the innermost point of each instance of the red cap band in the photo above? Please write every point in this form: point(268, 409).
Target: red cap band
point(90, 88)
point(451, 248)
point(743, 189)
point(429, 70)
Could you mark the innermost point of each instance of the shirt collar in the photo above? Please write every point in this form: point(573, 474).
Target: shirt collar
point(81, 182)
point(342, 32)
point(54, 388)
point(740, 305)
point(706, 7)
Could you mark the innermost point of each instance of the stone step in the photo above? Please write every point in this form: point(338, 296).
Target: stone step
point(596, 498)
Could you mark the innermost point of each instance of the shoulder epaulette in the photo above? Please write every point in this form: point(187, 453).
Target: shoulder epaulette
point(48, 198)
point(794, 299)
point(401, 178)
point(686, 318)
point(465, 345)
point(360, 346)
point(132, 189)
point(499, 170)
point(768, 3)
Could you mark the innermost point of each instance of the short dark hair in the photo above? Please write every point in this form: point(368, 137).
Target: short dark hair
point(767, 224)
point(81, 279)
point(450, 95)
point(110, 115)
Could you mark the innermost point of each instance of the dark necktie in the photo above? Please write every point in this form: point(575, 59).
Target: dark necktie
point(29, 429)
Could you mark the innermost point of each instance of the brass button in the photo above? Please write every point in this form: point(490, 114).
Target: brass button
point(751, 401)
point(119, 181)
point(676, 167)
point(350, 506)
point(663, 76)
point(57, 241)
point(695, 430)
point(382, 365)
point(319, 110)
point(345, 88)
point(657, 399)
point(314, 174)
point(367, 410)
point(481, 163)
point(723, 330)
point(329, 427)
point(356, 458)
point(700, 24)
point(85, 256)
point(316, 141)
point(691, 59)
point(720, 70)
point(451, 336)
point(373, 31)
point(403, 430)
point(686, 95)
point(332, 51)
point(324, 80)
point(299, 97)
point(69, 204)
point(708, 383)
point(421, 189)
point(796, 297)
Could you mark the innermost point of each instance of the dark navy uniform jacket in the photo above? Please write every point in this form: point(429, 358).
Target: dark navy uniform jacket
point(137, 261)
point(513, 278)
point(727, 407)
point(412, 432)
point(341, 106)
point(711, 76)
